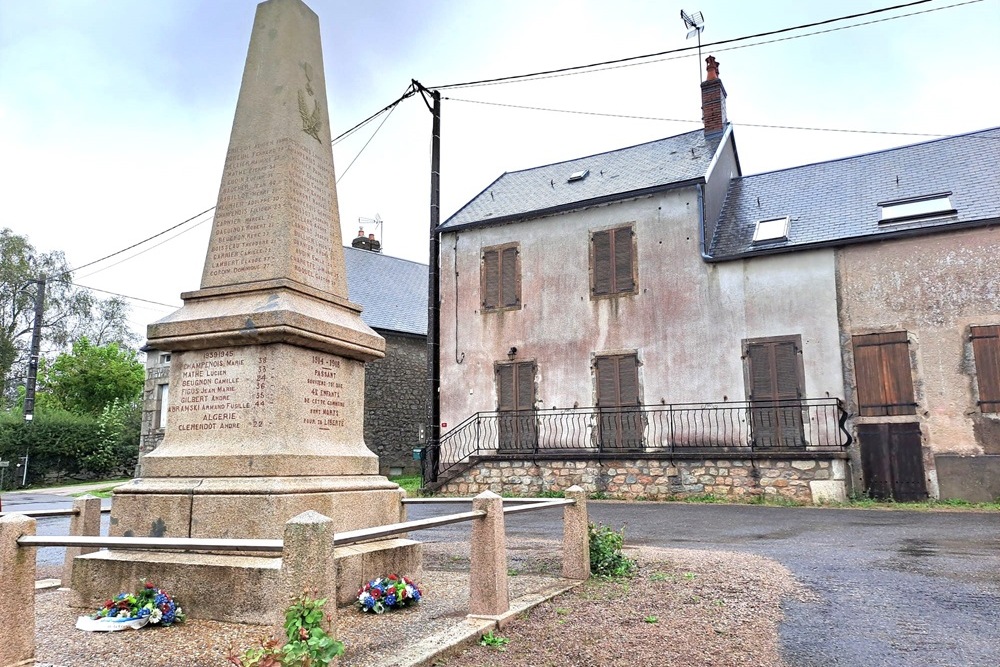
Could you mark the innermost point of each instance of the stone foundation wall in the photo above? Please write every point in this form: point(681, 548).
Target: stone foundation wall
point(396, 402)
point(808, 481)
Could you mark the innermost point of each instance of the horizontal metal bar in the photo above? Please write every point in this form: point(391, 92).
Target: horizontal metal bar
point(365, 534)
point(150, 543)
point(38, 514)
point(557, 502)
point(430, 501)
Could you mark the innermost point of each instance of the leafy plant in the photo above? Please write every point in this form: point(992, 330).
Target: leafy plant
point(660, 576)
point(307, 641)
point(606, 557)
point(651, 619)
point(494, 641)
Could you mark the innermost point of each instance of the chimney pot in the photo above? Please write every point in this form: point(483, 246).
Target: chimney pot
point(713, 100)
point(371, 237)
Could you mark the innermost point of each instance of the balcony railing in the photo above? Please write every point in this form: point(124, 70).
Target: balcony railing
point(810, 425)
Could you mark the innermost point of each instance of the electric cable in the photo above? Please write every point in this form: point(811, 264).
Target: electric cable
point(392, 108)
point(124, 296)
point(145, 250)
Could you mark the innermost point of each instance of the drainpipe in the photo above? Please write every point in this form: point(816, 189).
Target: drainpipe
point(701, 222)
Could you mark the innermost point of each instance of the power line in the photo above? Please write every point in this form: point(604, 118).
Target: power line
point(124, 296)
point(684, 120)
point(145, 250)
point(391, 108)
point(577, 68)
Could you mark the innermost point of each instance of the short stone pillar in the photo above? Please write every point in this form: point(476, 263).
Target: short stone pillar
point(488, 592)
point(17, 592)
point(576, 536)
point(85, 521)
point(307, 562)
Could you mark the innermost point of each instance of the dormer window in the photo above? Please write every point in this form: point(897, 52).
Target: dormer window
point(773, 229)
point(916, 208)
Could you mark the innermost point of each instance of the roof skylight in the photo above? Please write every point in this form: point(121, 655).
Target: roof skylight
point(578, 175)
point(916, 208)
point(773, 229)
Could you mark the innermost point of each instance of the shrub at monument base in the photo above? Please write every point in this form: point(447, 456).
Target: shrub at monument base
point(388, 593)
point(606, 557)
point(307, 641)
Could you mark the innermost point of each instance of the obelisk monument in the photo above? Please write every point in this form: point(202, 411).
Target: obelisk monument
point(267, 372)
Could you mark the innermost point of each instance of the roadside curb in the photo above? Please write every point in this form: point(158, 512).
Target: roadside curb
point(427, 652)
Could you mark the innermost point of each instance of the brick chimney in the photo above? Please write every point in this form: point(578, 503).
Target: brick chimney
point(713, 100)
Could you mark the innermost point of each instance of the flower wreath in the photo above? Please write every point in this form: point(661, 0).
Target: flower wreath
point(387, 593)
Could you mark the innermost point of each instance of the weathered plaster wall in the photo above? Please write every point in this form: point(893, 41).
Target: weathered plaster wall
point(934, 287)
point(687, 320)
point(808, 481)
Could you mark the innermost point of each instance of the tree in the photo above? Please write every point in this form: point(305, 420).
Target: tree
point(92, 377)
point(70, 312)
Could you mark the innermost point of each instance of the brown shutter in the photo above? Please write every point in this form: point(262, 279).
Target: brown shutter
point(786, 370)
point(868, 371)
point(760, 372)
point(623, 260)
point(986, 350)
point(607, 384)
point(509, 293)
point(602, 269)
point(628, 380)
point(505, 387)
point(491, 279)
point(882, 370)
point(525, 386)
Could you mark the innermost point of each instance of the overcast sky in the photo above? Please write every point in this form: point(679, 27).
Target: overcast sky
point(115, 114)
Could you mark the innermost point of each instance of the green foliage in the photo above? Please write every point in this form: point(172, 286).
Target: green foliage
point(606, 557)
point(651, 619)
point(93, 377)
point(307, 641)
point(494, 641)
point(410, 483)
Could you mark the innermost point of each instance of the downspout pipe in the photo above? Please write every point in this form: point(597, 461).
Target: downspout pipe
point(702, 243)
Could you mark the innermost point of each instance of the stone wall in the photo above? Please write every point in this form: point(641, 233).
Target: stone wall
point(396, 402)
point(808, 481)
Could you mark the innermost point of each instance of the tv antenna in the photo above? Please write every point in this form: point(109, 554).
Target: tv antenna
point(377, 221)
point(696, 25)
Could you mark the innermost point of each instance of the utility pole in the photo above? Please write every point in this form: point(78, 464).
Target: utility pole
point(36, 344)
point(431, 453)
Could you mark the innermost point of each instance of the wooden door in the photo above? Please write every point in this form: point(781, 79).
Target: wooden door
point(516, 422)
point(618, 401)
point(774, 386)
point(892, 461)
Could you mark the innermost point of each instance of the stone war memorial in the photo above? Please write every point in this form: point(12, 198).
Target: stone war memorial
point(268, 365)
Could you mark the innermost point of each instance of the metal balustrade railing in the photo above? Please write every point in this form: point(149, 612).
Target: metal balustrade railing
point(808, 425)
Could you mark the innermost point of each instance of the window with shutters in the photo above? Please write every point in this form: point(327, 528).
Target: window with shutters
point(986, 350)
point(882, 373)
point(612, 262)
point(621, 422)
point(501, 277)
point(517, 428)
point(772, 370)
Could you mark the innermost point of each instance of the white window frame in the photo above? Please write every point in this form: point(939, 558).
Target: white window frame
point(916, 208)
point(768, 230)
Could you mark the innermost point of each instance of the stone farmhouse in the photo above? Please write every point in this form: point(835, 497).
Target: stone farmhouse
point(393, 294)
point(648, 322)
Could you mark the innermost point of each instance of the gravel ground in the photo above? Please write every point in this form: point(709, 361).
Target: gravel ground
point(711, 608)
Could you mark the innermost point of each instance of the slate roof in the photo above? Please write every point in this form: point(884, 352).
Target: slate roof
point(392, 291)
point(836, 202)
point(613, 175)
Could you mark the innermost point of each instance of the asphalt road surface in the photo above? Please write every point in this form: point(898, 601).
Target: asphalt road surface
point(893, 588)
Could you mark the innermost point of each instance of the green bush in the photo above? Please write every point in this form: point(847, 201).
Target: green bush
point(606, 557)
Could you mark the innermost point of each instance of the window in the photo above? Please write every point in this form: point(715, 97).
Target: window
point(618, 401)
point(916, 208)
point(772, 369)
point(501, 277)
point(164, 358)
point(775, 229)
point(882, 371)
point(986, 350)
point(515, 405)
point(162, 403)
point(612, 262)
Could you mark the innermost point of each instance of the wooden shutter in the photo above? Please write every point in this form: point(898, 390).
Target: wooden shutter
point(774, 372)
point(628, 380)
point(491, 279)
point(623, 260)
point(618, 381)
point(509, 287)
point(986, 350)
point(602, 269)
point(882, 370)
point(607, 383)
point(505, 388)
point(525, 383)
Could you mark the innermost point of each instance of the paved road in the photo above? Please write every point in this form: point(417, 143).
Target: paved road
point(22, 500)
point(895, 589)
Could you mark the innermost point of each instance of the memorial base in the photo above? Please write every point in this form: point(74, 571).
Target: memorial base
point(232, 589)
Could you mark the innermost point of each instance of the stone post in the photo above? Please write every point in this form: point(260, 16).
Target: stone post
point(86, 521)
point(576, 536)
point(488, 593)
point(17, 592)
point(307, 562)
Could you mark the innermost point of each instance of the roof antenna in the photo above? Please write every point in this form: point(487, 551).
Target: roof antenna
point(377, 221)
point(696, 23)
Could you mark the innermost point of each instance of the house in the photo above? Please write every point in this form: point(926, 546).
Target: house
point(589, 323)
point(916, 246)
point(393, 295)
point(649, 322)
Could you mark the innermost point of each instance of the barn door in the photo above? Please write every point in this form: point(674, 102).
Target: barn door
point(892, 461)
point(618, 402)
point(517, 428)
point(774, 371)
